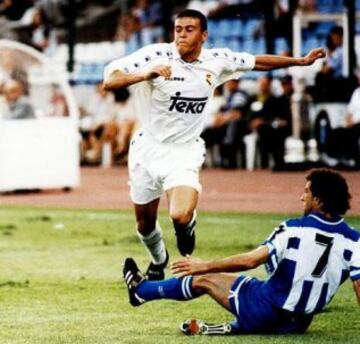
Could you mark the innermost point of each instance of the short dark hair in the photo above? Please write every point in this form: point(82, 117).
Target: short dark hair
point(121, 95)
point(331, 189)
point(286, 79)
point(337, 30)
point(188, 13)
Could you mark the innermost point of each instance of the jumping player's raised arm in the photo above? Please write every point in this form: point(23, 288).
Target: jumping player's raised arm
point(144, 64)
point(269, 62)
point(118, 78)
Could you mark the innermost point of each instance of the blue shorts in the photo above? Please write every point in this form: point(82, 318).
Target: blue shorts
point(256, 314)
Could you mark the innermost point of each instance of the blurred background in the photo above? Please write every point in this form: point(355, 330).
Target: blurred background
point(54, 116)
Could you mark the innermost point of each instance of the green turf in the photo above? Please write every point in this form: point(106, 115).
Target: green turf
point(60, 280)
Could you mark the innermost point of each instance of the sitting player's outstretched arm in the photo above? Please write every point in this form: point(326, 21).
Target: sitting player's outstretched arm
point(269, 62)
point(241, 262)
point(118, 79)
point(356, 285)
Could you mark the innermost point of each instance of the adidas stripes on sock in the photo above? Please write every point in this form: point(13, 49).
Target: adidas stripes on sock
point(173, 288)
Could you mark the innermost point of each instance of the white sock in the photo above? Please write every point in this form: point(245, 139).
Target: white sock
point(154, 244)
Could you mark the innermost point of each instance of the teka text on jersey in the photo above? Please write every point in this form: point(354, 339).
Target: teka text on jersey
point(186, 104)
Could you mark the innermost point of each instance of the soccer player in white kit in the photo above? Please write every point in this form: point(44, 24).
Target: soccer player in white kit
point(307, 259)
point(172, 84)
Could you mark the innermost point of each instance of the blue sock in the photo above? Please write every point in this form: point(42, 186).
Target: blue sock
point(172, 288)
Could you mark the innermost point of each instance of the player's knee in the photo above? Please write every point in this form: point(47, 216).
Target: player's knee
point(146, 225)
point(203, 283)
point(181, 217)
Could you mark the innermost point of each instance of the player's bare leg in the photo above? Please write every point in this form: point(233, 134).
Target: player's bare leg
point(150, 234)
point(182, 202)
point(218, 287)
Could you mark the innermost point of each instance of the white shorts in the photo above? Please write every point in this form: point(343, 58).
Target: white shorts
point(155, 167)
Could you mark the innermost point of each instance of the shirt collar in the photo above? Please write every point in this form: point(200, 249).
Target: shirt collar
point(334, 220)
point(176, 56)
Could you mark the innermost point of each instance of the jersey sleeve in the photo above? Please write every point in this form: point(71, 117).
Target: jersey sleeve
point(234, 64)
point(353, 104)
point(141, 59)
point(276, 244)
point(355, 261)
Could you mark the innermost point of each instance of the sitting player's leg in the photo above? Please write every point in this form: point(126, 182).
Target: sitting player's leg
point(182, 203)
point(133, 278)
point(150, 235)
point(217, 286)
point(142, 290)
point(181, 289)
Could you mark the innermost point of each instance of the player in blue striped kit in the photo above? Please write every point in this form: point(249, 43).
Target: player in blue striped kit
point(307, 259)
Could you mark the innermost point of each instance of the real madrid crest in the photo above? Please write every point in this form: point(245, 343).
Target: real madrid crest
point(208, 78)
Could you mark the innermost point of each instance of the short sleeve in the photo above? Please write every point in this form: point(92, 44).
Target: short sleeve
point(234, 64)
point(354, 101)
point(141, 59)
point(355, 261)
point(276, 244)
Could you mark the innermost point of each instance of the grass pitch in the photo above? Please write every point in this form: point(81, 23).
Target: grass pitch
point(60, 280)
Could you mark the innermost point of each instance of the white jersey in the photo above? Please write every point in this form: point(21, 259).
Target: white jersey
point(354, 106)
point(309, 259)
point(175, 110)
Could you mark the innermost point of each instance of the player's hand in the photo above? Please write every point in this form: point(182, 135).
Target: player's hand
point(161, 70)
point(189, 266)
point(314, 55)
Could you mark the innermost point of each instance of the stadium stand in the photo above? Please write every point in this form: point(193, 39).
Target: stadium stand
point(102, 36)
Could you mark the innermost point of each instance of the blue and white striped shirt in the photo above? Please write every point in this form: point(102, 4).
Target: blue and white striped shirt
point(309, 258)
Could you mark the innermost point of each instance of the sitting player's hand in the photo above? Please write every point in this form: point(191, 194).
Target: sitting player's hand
point(189, 266)
point(161, 70)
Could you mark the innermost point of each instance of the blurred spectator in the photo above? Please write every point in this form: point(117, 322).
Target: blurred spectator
point(271, 118)
point(119, 130)
point(126, 27)
point(14, 9)
point(18, 106)
point(334, 44)
point(4, 108)
point(51, 9)
point(232, 8)
point(340, 146)
point(149, 14)
point(210, 135)
point(284, 13)
point(204, 7)
point(12, 66)
point(229, 126)
point(43, 38)
point(307, 6)
point(58, 104)
point(94, 117)
point(330, 82)
point(37, 30)
point(141, 25)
